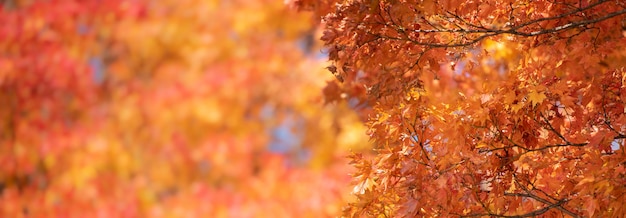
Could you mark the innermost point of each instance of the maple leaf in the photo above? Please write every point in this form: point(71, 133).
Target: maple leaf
point(536, 97)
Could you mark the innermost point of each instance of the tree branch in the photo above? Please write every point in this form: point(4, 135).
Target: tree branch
point(514, 30)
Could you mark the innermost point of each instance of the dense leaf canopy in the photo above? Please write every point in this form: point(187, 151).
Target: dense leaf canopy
point(484, 108)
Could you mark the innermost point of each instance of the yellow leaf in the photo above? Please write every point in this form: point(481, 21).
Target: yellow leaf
point(512, 188)
point(536, 98)
point(516, 107)
point(586, 180)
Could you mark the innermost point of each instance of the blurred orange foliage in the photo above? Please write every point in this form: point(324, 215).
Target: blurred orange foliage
point(137, 108)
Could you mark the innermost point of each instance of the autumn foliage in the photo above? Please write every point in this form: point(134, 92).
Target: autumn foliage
point(196, 108)
point(138, 108)
point(484, 108)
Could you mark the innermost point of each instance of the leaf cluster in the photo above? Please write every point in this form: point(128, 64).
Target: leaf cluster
point(485, 108)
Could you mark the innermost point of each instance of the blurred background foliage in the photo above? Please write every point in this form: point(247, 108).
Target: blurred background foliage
point(172, 108)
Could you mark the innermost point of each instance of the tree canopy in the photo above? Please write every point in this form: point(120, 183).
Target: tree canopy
point(483, 108)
